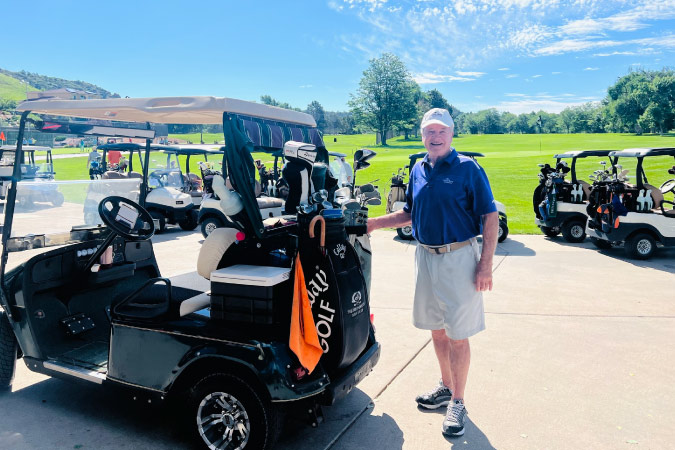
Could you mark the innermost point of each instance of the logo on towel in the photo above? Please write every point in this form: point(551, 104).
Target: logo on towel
point(340, 250)
point(357, 299)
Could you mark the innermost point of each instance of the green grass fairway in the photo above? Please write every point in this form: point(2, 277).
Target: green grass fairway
point(510, 162)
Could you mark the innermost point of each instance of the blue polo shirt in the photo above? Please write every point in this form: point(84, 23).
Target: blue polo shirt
point(446, 202)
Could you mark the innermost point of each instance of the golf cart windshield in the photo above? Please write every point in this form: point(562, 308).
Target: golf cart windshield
point(164, 170)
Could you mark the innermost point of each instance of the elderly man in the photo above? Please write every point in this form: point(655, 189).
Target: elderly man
point(448, 203)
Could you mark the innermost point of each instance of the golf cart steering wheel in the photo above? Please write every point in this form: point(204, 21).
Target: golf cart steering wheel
point(126, 218)
point(668, 186)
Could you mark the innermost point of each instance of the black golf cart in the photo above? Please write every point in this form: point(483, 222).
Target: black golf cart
point(560, 204)
point(89, 303)
point(399, 185)
point(640, 217)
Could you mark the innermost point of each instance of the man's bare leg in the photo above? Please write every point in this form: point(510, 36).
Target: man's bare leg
point(460, 358)
point(442, 346)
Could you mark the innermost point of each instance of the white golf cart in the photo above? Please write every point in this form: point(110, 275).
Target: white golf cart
point(559, 203)
point(88, 302)
point(638, 216)
point(33, 190)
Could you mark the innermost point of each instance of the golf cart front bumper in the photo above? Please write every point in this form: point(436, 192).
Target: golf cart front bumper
point(343, 385)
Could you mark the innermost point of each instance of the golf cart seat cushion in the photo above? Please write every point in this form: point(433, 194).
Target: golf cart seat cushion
point(213, 249)
point(586, 187)
point(112, 175)
point(257, 191)
point(135, 175)
point(151, 302)
point(269, 202)
point(656, 194)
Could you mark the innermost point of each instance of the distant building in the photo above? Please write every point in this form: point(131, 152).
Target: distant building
point(64, 94)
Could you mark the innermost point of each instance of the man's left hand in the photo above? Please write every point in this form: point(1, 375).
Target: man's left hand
point(483, 277)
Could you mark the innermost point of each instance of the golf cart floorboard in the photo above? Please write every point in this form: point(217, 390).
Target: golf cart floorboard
point(89, 361)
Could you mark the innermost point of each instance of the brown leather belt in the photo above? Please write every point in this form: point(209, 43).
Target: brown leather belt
point(439, 249)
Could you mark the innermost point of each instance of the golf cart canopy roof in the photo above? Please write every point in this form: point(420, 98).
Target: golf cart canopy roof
point(179, 110)
point(642, 152)
point(583, 153)
point(192, 149)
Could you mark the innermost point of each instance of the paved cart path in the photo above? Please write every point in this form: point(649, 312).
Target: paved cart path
point(578, 354)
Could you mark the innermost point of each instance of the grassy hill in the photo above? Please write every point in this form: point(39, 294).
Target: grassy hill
point(13, 89)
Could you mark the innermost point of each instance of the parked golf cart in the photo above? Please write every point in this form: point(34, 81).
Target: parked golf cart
point(167, 199)
point(639, 216)
point(211, 215)
point(89, 303)
point(559, 203)
point(32, 190)
point(399, 185)
point(271, 187)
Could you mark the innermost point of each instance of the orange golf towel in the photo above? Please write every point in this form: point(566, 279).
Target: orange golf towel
point(304, 340)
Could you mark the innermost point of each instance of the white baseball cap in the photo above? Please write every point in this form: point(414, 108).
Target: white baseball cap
point(438, 116)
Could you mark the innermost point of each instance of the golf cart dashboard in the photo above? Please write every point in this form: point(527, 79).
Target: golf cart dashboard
point(33, 241)
point(58, 266)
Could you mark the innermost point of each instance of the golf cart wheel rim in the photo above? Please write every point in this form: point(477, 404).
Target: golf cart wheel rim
point(210, 227)
point(644, 247)
point(407, 230)
point(222, 422)
point(501, 232)
point(577, 231)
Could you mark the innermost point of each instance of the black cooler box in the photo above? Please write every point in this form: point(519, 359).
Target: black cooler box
point(251, 294)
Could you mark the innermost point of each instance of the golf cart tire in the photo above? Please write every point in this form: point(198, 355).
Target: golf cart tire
point(188, 224)
point(640, 246)
point(8, 352)
point(405, 233)
point(161, 219)
point(58, 199)
point(550, 231)
point(503, 231)
point(601, 243)
point(209, 224)
point(264, 419)
point(574, 231)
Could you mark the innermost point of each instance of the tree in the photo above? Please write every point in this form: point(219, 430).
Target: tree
point(316, 110)
point(412, 115)
point(268, 100)
point(436, 100)
point(385, 95)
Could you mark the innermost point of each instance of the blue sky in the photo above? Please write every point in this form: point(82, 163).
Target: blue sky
point(515, 55)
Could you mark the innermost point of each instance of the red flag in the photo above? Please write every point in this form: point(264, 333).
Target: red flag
point(2, 135)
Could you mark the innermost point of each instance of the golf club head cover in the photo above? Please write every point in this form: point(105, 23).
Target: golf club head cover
point(298, 173)
point(230, 201)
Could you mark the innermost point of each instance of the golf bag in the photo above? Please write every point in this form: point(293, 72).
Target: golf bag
point(337, 291)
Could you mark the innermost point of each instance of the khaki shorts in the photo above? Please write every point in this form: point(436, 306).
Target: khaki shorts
point(445, 292)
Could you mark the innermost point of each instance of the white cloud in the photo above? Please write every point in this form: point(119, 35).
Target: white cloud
point(432, 78)
point(470, 74)
point(536, 76)
point(305, 86)
point(513, 75)
point(503, 68)
point(591, 69)
point(556, 73)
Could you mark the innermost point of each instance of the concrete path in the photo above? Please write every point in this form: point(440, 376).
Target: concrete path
point(578, 354)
